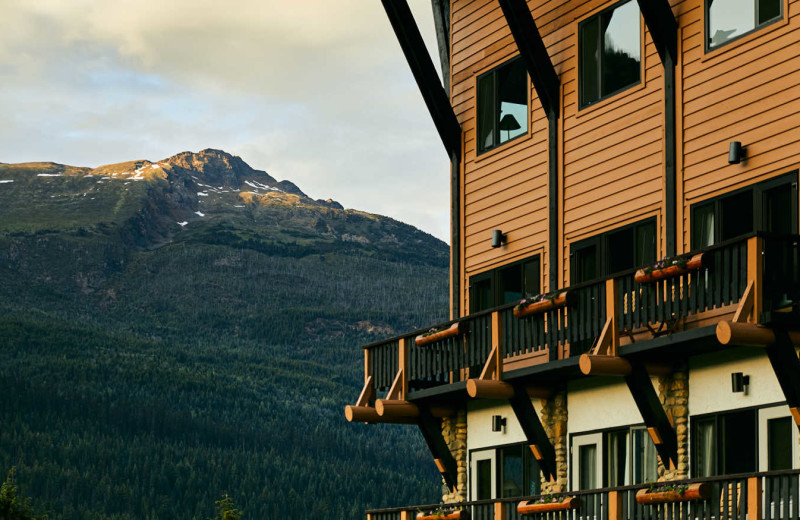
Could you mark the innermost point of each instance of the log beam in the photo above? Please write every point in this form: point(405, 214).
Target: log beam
point(604, 365)
point(750, 335)
point(489, 389)
point(367, 414)
point(393, 408)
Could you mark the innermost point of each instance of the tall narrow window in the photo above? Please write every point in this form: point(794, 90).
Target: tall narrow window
point(610, 52)
point(779, 443)
point(588, 466)
point(511, 472)
point(484, 479)
point(730, 19)
point(502, 104)
point(644, 462)
point(617, 458)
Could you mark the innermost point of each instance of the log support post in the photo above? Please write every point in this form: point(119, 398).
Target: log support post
point(499, 511)
point(755, 270)
point(655, 418)
point(754, 497)
point(615, 505)
point(402, 363)
point(539, 443)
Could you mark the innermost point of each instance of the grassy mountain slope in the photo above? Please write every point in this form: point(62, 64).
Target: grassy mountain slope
point(171, 331)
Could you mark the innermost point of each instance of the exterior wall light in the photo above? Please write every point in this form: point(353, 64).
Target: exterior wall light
point(739, 382)
point(736, 152)
point(498, 423)
point(498, 238)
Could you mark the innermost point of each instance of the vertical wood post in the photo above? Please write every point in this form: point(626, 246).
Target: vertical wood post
point(369, 516)
point(754, 497)
point(612, 312)
point(367, 371)
point(497, 341)
point(402, 365)
point(499, 511)
point(755, 271)
point(614, 505)
point(405, 515)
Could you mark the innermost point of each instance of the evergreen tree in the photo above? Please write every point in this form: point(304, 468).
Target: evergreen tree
point(226, 510)
point(13, 507)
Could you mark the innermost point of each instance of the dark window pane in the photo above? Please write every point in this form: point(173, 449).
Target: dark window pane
point(619, 251)
point(738, 441)
point(703, 226)
point(643, 457)
point(645, 253)
point(533, 474)
point(768, 10)
point(616, 458)
point(531, 277)
point(590, 61)
point(621, 47)
point(779, 443)
point(486, 112)
point(778, 210)
point(585, 262)
point(512, 80)
point(511, 483)
point(481, 295)
point(705, 444)
point(587, 460)
point(736, 215)
point(510, 280)
point(484, 480)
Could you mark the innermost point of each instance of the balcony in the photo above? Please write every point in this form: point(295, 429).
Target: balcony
point(771, 495)
point(653, 322)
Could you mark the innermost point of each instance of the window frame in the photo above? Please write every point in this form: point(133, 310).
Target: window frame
point(757, 189)
point(707, 25)
point(495, 454)
point(479, 150)
point(493, 275)
point(600, 241)
point(581, 24)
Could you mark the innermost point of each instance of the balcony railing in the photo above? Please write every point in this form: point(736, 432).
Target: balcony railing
point(754, 496)
point(642, 310)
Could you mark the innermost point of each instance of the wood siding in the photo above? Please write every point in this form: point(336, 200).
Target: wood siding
point(611, 154)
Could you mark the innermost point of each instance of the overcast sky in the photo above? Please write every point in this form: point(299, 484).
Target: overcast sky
point(313, 91)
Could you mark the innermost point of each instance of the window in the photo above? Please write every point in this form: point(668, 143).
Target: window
point(767, 206)
point(724, 444)
point(517, 473)
point(727, 20)
point(614, 251)
point(506, 284)
point(502, 104)
point(614, 458)
point(610, 52)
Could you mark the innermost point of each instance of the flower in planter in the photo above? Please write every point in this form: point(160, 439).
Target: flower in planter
point(441, 511)
point(680, 261)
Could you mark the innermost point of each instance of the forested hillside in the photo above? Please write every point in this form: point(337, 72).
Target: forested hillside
point(173, 331)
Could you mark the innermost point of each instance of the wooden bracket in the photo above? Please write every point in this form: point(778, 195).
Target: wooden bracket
point(490, 367)
point(540, 444)
point(367, 393)
point(431, 429)
point(603, 342)
point(655, 418)
point(783, 358)
point(746, 304)
point(396, 390)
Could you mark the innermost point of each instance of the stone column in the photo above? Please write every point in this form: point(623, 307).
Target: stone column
point(454, 430)
point(673, 391)
point(554, 420)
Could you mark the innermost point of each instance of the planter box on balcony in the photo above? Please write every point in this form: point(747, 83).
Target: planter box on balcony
point(699, 491)
point(451, 332)
point(560, 300)
point(693, 263)
point(529, 508)
point(455, 515)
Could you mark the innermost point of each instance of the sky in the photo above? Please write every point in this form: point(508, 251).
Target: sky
point(314, 91)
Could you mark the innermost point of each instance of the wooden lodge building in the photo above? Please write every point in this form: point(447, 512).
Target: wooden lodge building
point(624, 262)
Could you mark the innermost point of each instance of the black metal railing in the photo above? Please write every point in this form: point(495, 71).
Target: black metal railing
point(384, 363)
point(729, 498)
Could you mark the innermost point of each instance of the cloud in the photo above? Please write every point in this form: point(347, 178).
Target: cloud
point(315, 91)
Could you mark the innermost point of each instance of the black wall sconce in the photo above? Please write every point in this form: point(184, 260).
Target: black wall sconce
point(736, 152)
point(498, 423)
point(739, 382)
point(498, 238)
